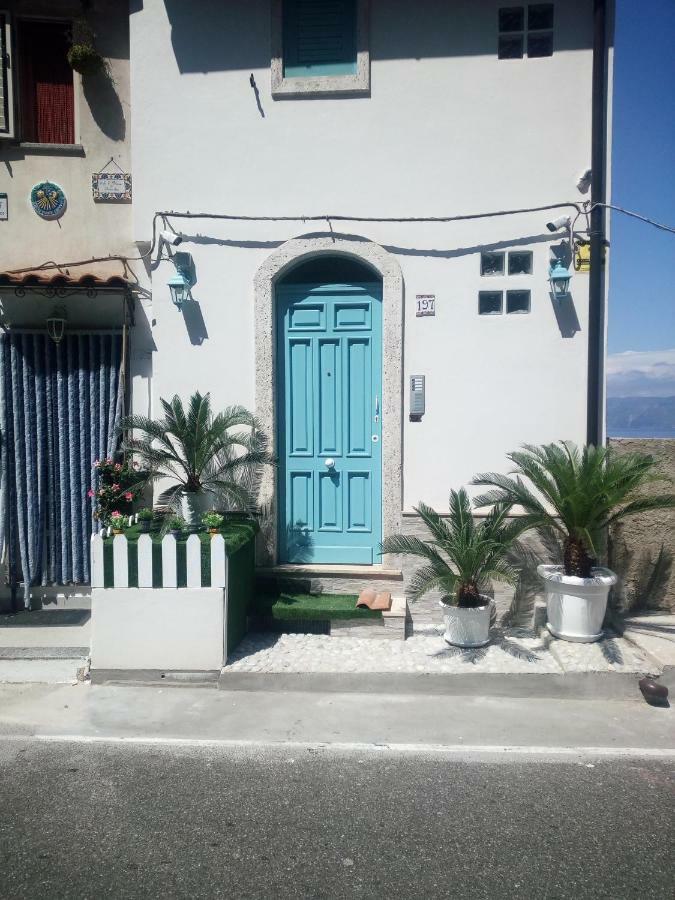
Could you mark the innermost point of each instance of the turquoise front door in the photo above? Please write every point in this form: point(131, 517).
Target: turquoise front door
point(329, 354)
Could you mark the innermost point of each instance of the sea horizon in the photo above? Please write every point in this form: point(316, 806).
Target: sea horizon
point(642, 431)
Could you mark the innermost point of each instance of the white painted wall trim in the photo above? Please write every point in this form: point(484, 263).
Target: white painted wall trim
point(387, 267)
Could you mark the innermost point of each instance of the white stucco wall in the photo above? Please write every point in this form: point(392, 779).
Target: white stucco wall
point(448, 129)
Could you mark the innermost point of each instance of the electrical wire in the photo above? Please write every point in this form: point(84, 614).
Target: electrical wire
point(580, 209)
point(634, 215)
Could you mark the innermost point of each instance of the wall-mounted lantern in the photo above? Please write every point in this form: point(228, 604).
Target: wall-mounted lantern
point(181, 281)
point(559, 277)
point(56, 324)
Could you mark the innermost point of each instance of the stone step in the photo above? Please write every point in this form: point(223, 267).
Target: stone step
point(328, 579)
point(42, 671)
point(75, 653)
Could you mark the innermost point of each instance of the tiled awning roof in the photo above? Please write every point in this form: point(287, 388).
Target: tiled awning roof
point(85, 280)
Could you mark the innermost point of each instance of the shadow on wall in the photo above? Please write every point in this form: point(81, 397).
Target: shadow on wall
point(104, 104)
point(194, 322)
point(231, 35)
point(566, 315)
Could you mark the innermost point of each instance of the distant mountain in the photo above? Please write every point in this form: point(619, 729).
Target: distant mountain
point(641, 416)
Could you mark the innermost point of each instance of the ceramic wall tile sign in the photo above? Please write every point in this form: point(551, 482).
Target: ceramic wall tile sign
point(425, 305)
point(48, 200)
point(4, 208)
point(111, 185)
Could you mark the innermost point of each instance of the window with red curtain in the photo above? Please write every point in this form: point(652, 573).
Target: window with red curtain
point(47, 94)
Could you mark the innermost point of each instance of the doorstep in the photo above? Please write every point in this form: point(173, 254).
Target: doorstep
point(289, 570)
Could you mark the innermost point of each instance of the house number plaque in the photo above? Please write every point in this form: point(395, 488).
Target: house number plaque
point(426, 305)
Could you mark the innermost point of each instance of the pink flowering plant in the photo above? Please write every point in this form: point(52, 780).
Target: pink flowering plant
point(116, 487)
point(117, 520)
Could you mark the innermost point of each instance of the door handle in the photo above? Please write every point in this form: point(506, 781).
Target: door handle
point(329, 463)
point(377, 407)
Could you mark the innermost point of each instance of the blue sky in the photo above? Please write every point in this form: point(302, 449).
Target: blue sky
point(642, 259)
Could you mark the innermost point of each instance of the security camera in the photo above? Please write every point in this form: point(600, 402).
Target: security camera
point(170, 237)
point(584, 182)
point(557, 224)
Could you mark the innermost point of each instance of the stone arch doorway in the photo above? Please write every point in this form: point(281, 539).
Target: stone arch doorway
point(334, 255)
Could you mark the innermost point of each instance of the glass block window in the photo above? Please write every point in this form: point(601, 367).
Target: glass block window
point(490, 303)
point(520, 262)
point(517, 302)
point(540, 17)
point(492, 264)
point(525, 29)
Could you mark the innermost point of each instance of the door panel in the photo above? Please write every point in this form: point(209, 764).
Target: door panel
point(329, 390)
point(358, 501)
point(301, 389)
point(360, 398)
point(330, 396)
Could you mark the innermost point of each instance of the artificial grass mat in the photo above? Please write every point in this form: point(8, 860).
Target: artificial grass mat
point(292, 607)
point(235, 534)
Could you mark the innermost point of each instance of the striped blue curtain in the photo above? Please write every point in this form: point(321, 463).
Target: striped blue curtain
point(60, 405)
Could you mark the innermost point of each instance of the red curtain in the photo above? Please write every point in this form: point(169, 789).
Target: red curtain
point(47, 95)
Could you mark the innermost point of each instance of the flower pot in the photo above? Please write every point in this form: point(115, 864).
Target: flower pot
point(176, 532)
point(145, 526)
point(214, 530)
point(467, 626)
point(193, 506)
point(118, 531)
point(576, 606)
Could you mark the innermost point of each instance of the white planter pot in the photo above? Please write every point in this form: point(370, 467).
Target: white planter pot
point(467, 627)
point(193, 506)
point(576, 606)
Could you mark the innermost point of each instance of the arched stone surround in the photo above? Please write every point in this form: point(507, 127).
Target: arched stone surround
point(387, 268)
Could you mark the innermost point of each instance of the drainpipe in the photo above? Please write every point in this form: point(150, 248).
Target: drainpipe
point(596, 311)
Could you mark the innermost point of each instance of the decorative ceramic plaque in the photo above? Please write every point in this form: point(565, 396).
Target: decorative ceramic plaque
point(111, 187)
point(48, 200)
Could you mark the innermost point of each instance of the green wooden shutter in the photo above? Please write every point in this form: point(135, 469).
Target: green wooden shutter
point(319, 37)
point(6, 117)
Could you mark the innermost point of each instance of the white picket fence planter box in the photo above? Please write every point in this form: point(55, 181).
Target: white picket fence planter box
point(160, 628)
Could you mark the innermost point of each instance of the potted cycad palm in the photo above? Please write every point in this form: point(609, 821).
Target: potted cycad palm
point(205, 458)
point(461, 559)
point(576, 494)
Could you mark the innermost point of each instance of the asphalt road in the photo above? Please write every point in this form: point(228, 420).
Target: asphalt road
point(92, 821)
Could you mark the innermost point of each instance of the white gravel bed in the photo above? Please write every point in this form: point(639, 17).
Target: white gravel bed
point(508, 651)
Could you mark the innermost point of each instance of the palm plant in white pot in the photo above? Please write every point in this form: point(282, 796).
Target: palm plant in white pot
point(461, 559)
point(207, 459)
point(576, 494)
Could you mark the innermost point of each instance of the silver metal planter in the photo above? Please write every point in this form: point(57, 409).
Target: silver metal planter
point(467, 627)
point(193, 506)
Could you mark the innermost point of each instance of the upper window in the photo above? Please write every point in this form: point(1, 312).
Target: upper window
point(320, 47)
point(44, 82)
point(526, 29)
point(319, 38)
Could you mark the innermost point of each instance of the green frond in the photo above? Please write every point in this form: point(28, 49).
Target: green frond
point(197, 449)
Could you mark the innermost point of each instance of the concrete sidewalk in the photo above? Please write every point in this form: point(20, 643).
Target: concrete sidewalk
point(194, 715)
